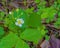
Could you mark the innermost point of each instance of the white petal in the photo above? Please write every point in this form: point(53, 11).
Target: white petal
point(10, 12)
point(22, 21)
point(16, 23)
point(20, 25)
point(18, 19)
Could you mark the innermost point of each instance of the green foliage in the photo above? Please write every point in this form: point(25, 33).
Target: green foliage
point(31, 30)
point(16, 14)
point(37, 1)
point(1, 31)
point(33, 35)
point(34, 20)
point(31, 24)
point(47, 37)
point(27, 24)
point(58, 1)
point(57, 23)
point(59, 14)
point(2, 15)
point(8, 41)
point(29, 10)
point(48, 14)
point(21, 44)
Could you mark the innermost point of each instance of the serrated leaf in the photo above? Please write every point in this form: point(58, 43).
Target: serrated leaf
point(18, 14)
point(32, 35)
point(34, 20)
point(21, 44)
point(8, 41)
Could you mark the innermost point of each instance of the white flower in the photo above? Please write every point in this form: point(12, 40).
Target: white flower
point(10, 12)
point(19, 22)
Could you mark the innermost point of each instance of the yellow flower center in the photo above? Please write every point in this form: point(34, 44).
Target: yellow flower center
point(19, 22)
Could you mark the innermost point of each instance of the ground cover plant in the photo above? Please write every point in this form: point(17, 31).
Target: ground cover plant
point(27, 28)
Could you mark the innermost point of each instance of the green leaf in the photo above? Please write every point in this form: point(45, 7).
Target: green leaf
point(32, 35)
point(57, 23)
point(1, 31)
point(17, 14)
point(8, 41)
point(58, 1)
point(23, 15)
point(47, 37)
point(44, 15)
point(58, 14)
point(37, 1)
point(34, 20)
point(2, 15)
point(29, 10)
point(21, 44)
point(12, 26)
